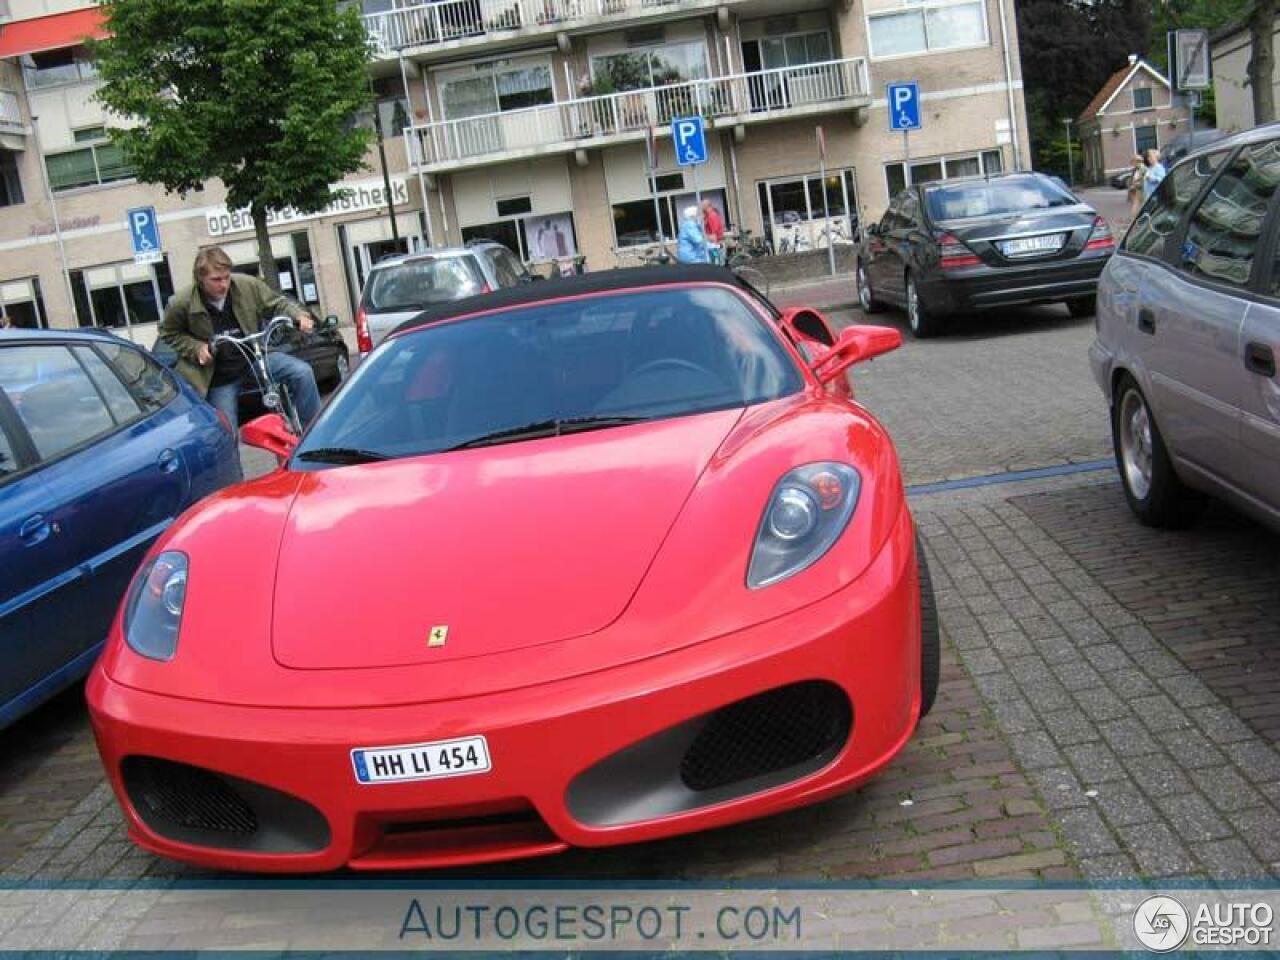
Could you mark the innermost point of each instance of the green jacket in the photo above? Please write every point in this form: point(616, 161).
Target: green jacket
point(187, 325)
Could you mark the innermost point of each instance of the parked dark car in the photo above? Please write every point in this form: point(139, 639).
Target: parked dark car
point(100, 450)
point(955, 246)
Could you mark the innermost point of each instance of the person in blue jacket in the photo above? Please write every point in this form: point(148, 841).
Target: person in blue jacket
point(691, 244)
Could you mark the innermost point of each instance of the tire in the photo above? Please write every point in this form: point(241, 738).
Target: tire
point(923, 322)
point(341, 367)
point(1083, 306)
point(866, 296)
point(930, 636)
point(1155, 494)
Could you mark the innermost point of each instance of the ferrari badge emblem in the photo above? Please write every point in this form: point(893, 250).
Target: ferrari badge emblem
point(438, 636)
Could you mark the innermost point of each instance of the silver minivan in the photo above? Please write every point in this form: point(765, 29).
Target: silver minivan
point(1188, 329)
point(399, 288)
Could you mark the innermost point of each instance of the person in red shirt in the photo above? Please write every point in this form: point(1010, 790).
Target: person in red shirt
point(713, 227)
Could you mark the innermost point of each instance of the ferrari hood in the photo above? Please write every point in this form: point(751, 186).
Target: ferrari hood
point(480, 551)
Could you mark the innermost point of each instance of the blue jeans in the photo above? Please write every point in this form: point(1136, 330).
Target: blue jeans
point(294, 373)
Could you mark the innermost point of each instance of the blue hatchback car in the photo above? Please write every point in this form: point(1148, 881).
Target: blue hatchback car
point(101, 449)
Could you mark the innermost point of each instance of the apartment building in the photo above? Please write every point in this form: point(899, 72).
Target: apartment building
point(544, 124)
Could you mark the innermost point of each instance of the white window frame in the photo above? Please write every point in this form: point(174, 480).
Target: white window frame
point(909, 7)
point(1143, 126)
point(980, 154)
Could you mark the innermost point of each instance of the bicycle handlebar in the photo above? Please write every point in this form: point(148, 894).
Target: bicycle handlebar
point(264, 334)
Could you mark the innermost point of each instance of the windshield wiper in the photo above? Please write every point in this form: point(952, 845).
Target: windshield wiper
point(529, 431)
point(343, 455)
point(545, 428)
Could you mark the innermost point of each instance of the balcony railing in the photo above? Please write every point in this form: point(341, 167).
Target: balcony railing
point(10, 114)
point(744, 97)
point(448, 20)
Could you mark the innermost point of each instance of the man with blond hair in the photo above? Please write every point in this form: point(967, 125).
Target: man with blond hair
point(220, 301)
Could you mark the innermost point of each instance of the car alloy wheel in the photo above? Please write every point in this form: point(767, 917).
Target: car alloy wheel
point(864, 289)
point(343, 365)
point(1135, 443)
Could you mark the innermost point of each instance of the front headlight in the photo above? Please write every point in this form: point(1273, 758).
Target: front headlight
point(153, 613)
point(809, 509)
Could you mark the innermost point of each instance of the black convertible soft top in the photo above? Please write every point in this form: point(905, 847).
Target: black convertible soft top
point(557, 287)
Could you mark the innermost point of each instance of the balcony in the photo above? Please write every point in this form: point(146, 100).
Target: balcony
point(614, 118)
point(448, 24)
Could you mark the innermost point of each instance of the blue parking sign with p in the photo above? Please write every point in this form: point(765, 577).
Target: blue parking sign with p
point(144, 231)
point(904, 106)
point(689, 140)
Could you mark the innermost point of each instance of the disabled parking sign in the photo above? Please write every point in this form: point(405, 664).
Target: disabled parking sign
point(904, 105)
point(689, 140)
point(144, 231)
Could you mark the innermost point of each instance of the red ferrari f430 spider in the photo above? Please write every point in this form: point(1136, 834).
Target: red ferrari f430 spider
point(586, 562)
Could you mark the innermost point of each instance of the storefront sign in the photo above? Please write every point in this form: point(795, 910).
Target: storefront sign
point(366, 195)
point(75, 223)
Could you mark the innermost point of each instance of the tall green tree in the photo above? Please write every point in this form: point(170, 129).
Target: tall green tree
point(260, 94)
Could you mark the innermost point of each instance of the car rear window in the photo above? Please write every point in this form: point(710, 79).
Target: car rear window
point(416, 284)
point(647, 355)
point(959, 201)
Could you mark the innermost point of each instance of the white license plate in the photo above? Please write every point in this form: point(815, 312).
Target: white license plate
point(1028, 246)
point(421, 761)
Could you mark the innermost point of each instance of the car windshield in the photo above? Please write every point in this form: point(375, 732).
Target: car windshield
point(959, 201)
point(547, 369)
point(416, 284)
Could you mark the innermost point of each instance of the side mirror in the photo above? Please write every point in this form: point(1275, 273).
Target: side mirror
point(855, 344)
point(269, 433)
point(330, 322)
point(805, 323)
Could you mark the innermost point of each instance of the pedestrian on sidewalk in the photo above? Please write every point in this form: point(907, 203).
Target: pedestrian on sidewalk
point(1137, 176)
point(1155, 172)
point(713, 226)
point(691, 245)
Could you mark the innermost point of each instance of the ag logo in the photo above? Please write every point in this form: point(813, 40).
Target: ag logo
point(1161, 923)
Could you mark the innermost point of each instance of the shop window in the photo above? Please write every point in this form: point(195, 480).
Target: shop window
point(809, 212)
point(10, 181)
point(533, 238)
point(927, 28)
point(943, 168)
point(22, 304)
point(637, 223)
point(121, 295)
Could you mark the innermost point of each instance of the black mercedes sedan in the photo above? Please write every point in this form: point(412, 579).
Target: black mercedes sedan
point(955, 246)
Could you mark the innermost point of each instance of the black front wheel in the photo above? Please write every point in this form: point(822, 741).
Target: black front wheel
point(923, 321)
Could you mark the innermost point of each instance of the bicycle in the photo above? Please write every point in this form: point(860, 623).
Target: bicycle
point(255, 348)
point(642, 257)
point(746, 248)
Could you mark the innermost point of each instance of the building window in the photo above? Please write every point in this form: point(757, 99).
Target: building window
point(643, 69)
point(986, 163)
point(514, 206)
point(121, 294)
point(498, 89)
point(1142, 98)
point(89, 166)
point(533, 238)
point(54, 67)
point(1144, 138)
point(927, 28)
point(642, 222)
point(10, 182)
point(90, 134)
point(22, 304)
point(806, 213)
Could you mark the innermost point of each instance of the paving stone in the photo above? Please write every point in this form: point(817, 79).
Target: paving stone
point(1160, 714)
point(1088, 834)
point(1230, 860)
point(1158, 850)
point(1258, 762)
point(1194, 818)
point(1226, 789)
point(1128, 738)
point(1157, 775)
point(1036, 750)
point(1095, 763)
point(1258, 828)
point(1123, 805)
point(1101, 704)
point(1069, 727)
point(1059, 787)
point(1191, 749)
